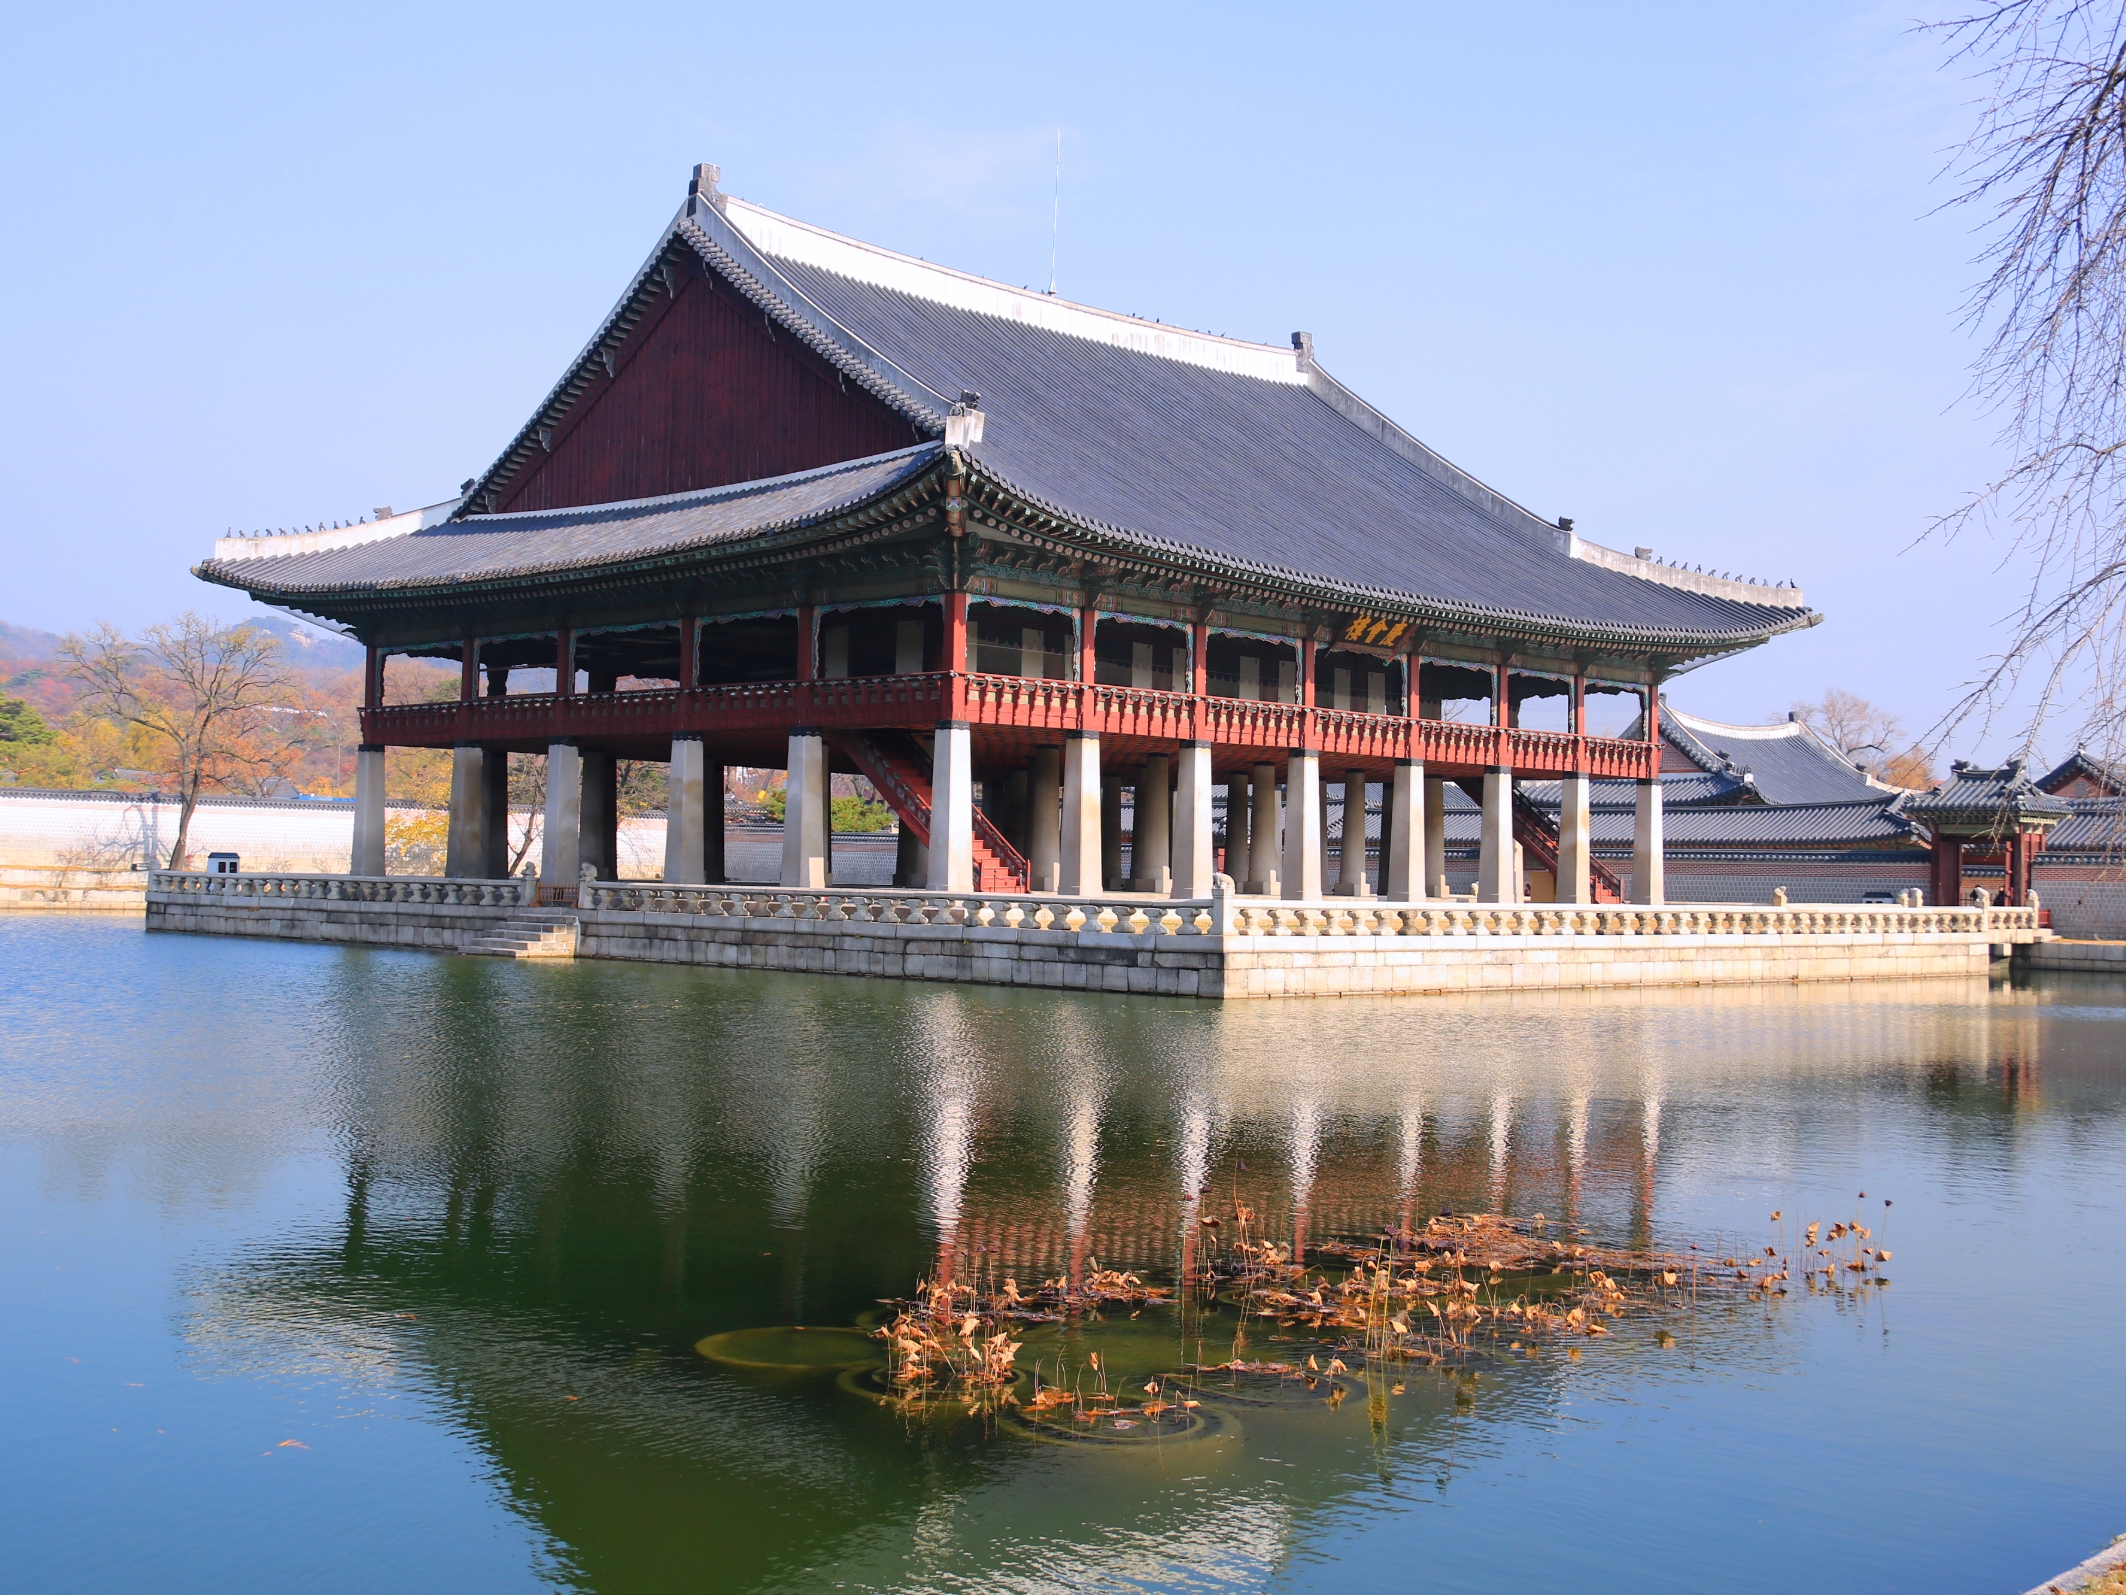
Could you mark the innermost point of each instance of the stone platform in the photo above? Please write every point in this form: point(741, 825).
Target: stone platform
point(1223, 947)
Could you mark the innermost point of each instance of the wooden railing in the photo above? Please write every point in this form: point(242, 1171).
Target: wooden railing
point(919, 702)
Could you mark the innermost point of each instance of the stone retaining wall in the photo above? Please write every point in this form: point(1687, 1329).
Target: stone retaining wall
point(37, 886)
point(2081, 957)
point(941, 941)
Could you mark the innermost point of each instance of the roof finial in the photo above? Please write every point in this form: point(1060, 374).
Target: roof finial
point(1303, 342)
point(702, 185)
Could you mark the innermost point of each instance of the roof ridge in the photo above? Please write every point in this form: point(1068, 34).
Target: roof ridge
point(785, 237)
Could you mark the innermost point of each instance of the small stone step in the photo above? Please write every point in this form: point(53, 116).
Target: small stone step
point(528, 935)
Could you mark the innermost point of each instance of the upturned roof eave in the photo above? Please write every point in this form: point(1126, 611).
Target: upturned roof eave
point(1182, 559)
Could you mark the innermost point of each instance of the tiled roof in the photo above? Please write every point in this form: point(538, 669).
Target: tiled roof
point(2097, 825)
point(2086, 765)
point(1240, 455)
point(1976, 799)
point(491, 547)
point(1240, 465)
point(1788, 763)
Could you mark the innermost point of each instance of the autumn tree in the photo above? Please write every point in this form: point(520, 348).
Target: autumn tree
point(216, 703)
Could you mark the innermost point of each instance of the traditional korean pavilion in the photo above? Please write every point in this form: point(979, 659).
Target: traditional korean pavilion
point(802, 502)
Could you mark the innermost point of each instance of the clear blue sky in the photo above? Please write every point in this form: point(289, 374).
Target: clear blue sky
point(1667, 269)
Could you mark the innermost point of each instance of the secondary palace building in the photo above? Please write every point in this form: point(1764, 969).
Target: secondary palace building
point(1029, 566)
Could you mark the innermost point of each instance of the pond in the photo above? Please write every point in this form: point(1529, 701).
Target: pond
point(348, 1270)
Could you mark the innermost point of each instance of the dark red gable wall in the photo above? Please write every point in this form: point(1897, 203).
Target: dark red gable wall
point(703, 396)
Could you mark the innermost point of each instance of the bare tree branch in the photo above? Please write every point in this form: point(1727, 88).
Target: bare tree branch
point(2046, 167)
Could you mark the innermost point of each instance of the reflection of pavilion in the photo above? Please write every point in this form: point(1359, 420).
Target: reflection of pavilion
point(567, 1184)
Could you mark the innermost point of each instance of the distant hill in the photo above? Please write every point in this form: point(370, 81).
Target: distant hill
point(29, 658)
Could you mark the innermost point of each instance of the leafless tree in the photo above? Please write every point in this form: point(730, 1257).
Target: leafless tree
point(1868, 735)
point(210, 699)
point(2046, 167)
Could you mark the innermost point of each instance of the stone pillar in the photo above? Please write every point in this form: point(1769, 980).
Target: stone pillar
point(712, 869)
point(1575, 841)
point(1237, 829)
point(685, 814)
point(368, 857)
point(465, 853)
point(1435, 855)
point(1495, 882)
point(1322, 788)
point(1265, 831)
point(1151, 844)
point(560, 842)
point(911, 860)
point(1082, 847)
point(1111, 833)
point(1194, 858)
point(1402, 856)
point(952, 810)
point(1302, 826)
point(600, 816)
point(494, 779)
point(1045, 822)
point(804, 818)
point(1351, 868)
point(1648, 854)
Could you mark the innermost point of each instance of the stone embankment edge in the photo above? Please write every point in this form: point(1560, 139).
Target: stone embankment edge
point(1147, 963)
point(2084, 957)
point(2085, 1573)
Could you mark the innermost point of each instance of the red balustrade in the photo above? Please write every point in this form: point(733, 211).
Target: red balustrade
point(918, 702)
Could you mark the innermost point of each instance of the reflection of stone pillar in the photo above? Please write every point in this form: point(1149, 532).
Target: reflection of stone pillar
point(1084, 822)
point(952, 809)
point(1648, 854)
point(804, 820)
point(1435, 876)
point(465, 853)
point(1192, 822)
point(686, 813)
point(560, 856)
point(1575, 841)
point(1151, 841)
point(1495, 881)
point(1302, 826)
point(1237, 840)
point(600, 847)
point(494, 781)
point(368, 856)
point(1265, 831)
point(1045, 835)
point(1402, 825)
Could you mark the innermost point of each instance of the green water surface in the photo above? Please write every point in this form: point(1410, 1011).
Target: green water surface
point(342, 1270)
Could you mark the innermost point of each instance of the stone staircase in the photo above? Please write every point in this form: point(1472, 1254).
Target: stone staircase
point(531, 933)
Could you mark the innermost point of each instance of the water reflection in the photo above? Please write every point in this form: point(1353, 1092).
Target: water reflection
point(559, 1180)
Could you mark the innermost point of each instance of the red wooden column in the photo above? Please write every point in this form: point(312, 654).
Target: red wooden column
point(689, 646)
point(469, 670)
point(1579, 722)
point(565, 661)
point(1199, 676)
point(1088, 663)
point(956, 655)
point(807, 642)
point(373, 679)
point(1306, 673)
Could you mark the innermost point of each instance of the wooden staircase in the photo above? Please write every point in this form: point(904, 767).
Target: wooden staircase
point(898, 768)
point(532, 933)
